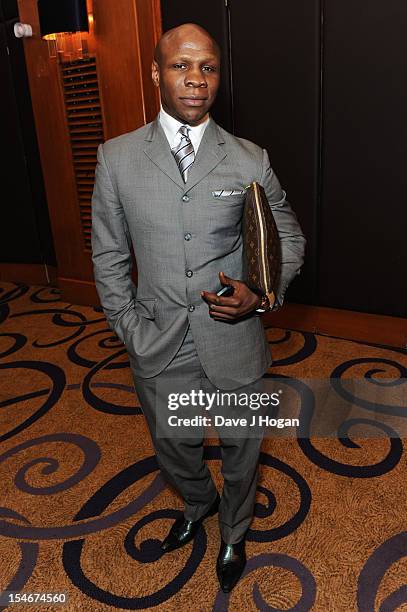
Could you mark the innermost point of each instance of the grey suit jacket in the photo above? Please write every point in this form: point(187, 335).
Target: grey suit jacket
point(182, 238)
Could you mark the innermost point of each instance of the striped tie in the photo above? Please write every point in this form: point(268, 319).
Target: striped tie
point(184, 153)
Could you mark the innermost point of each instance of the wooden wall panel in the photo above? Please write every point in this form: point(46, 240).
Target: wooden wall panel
point(31, 274)
point(122, 38)
point(148, 16)
point(54, 146)
point(122, 32)
point(347, 324)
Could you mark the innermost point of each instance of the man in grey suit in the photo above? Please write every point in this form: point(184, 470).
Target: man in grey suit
point(174, 191)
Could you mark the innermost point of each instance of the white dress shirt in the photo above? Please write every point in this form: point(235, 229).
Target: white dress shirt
point(171, 127)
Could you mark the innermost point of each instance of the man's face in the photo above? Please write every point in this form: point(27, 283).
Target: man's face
point(188, 76)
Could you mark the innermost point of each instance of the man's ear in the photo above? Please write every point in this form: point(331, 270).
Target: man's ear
point(155, 73)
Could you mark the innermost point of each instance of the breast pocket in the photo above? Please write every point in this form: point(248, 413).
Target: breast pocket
point(225, 216)
point(230, 200)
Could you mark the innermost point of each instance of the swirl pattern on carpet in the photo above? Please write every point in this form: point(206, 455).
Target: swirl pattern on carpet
point(84, 507)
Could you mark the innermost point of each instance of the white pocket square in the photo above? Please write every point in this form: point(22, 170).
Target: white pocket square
point(225, 193)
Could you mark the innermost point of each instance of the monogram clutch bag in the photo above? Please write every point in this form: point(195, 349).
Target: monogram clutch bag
point(262, 249)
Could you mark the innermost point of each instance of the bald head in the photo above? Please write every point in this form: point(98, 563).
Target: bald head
point(186, 68)
point(187, 33)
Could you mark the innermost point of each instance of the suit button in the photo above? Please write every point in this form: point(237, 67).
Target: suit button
point(188, 236)
point(191, 308)
point(185, 198)
point(189, 273)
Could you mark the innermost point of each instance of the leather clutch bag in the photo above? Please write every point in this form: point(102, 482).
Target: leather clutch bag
point(262, 248)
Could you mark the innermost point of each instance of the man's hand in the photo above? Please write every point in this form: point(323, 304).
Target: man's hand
point(237, 305)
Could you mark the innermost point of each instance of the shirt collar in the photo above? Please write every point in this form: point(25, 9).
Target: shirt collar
point(171, 126)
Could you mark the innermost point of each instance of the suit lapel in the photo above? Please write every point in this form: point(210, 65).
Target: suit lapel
point(209, 155)
point(158, 150)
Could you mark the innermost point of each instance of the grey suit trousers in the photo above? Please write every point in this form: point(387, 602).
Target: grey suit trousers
point(181, 458)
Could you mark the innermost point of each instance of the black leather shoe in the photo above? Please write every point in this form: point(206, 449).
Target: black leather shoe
point(184, 531)
point(230, 564)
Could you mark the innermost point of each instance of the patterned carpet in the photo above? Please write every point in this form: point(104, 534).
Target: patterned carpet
point(83, 505)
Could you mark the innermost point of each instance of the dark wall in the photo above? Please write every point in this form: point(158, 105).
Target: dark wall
point(276, 96)
point(363, 221)
point(322, 86)
point(25, 235)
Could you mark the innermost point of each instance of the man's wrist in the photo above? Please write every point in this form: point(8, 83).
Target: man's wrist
point(264, 305)
point(259, 301)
